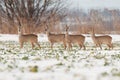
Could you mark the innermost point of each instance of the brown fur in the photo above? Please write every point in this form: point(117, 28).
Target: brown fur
point(32, 38)
point(55, 38)
point(99, 40)
point(79, 39)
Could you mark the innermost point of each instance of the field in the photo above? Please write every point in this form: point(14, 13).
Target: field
point(57, 63)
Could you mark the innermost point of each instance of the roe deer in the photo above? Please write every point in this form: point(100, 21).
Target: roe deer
point(99, 40)
point(55, 38)
point(32, 38)
point(79, 39)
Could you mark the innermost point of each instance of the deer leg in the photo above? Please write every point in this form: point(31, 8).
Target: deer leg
point(38, 44)
point(51, 45)
point(21, 44)
point(84, 47)
point(108, 46)
point(80, 46)
point(100, 46)
point(69, 46)
point(111, 45)
point(32, 45)
point(64, 43)
point(96, 45)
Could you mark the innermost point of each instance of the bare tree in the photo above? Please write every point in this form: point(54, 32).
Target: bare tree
point(31, 13)
point(115, 19)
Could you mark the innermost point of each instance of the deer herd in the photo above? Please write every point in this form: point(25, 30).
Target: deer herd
point(66, 38)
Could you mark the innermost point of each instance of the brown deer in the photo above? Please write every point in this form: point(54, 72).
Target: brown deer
point(79, 39)
point(32, 38)
point(55, 38)
point(99, 40)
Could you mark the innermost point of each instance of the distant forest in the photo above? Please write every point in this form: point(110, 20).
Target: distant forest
point(103, 20)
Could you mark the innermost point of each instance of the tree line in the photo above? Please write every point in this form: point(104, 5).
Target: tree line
point(33, 15)
point(30, 14)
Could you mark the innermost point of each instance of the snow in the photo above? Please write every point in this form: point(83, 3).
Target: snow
point(57, 63)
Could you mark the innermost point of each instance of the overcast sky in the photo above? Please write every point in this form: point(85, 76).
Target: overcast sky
point(86, 4)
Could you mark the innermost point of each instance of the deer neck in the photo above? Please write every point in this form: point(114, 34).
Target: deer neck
point(93, 36)
point(20, 32)
point(93, 33)
point(66, 34)
point(48, 33)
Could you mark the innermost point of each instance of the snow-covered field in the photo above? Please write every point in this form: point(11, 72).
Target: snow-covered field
point(58, 64)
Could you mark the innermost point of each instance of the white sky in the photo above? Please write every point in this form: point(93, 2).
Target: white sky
point(86, 4)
